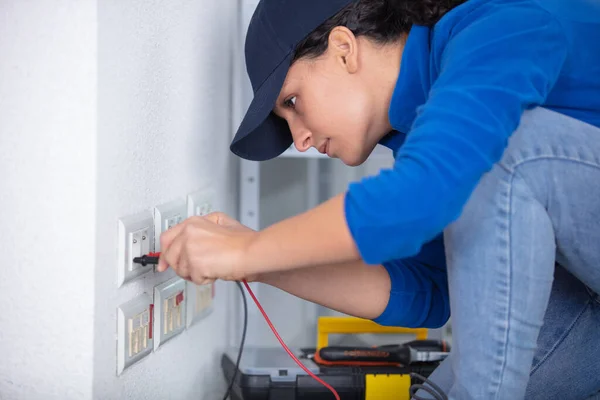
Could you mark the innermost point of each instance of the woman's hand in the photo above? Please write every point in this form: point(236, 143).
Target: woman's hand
point(204, 249)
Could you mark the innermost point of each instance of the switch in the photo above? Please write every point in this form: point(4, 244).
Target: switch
point(200, 202)
point(170, 302)
point(171, 222)
point(134, 332)
point(135, 238)
point(200, 302)
point(167, 216)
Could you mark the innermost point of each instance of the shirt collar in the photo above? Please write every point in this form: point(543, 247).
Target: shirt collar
point(412, 86)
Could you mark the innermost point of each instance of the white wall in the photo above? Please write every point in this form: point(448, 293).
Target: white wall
point(106, 108)
point(163, 131)
point(47, 198)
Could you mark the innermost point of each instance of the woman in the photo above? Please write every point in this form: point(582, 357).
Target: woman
point(492, 208)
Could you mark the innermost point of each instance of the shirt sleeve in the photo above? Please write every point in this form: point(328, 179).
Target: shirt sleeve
point(500, 64)
point(419, 293)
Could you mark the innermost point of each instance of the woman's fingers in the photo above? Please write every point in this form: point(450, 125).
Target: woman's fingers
point(171, 253)
point(204, 249)
point(167, 237)
point(222, 219)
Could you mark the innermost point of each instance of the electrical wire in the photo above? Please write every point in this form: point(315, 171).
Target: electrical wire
point(435, 390)
point(322, 382)
point(241, 350)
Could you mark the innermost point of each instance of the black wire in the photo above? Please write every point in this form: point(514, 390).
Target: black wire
point(237, 363)
point(435, 390)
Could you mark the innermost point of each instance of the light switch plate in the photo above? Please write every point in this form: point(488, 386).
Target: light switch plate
point(200, 202)
point(199, 301)
point(170, 306)
point(135, 238)
point(134, 330)
point(166, 216)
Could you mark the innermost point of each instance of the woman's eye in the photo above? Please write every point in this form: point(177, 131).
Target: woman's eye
point(291, 102)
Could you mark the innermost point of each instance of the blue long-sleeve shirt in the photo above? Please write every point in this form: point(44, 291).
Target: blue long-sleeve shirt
point(462, 88)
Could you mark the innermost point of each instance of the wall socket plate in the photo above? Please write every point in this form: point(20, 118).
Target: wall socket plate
point(199, 301)
point(200, 202)
point(135, 238)
point(134, 331)
point(170, 306)
point(166, 216)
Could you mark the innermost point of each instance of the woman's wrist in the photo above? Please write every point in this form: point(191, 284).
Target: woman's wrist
point(317, 237)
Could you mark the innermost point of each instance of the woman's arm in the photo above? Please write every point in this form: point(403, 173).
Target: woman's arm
point(412, 292)
point(498, 62)
point(355, 288)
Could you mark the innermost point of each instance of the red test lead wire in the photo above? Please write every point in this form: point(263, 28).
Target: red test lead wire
point(337, 396)
point(152, 258)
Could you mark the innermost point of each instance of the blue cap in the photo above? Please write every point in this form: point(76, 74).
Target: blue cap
point(275, 30)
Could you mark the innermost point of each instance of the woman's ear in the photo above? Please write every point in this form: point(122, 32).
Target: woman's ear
point(343, 46)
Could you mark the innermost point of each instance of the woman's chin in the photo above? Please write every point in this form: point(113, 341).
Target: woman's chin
point(353, 160)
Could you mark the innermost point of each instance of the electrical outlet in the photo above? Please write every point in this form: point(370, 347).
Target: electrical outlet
point(135, 238)
point(167, 216)
point(134, 329)
point(170, 301)
point(199, 301)
point(200, 202)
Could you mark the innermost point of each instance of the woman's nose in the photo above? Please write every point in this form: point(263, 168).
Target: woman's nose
point(302, 138)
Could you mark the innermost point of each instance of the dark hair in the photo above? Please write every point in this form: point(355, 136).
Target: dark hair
point(383, 21)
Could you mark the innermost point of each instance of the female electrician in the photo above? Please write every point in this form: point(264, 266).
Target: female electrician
point(492, 208)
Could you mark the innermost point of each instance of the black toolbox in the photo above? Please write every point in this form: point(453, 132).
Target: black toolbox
point(270, 374)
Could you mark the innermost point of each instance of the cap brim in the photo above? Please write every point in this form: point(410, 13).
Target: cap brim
point(262, 135)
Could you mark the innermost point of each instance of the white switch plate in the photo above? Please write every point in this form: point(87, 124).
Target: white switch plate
point(170, 301)
point(136, 238)
point(166, 216)
point(200, 202)
point(134, 330)
point(199, 301)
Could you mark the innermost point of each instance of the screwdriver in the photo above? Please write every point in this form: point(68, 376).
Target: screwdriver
point(147, 259)
point(417, 351)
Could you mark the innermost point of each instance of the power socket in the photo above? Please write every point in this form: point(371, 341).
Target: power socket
point(199, 301)
point(166, 216)
point(170, 301)
point(200, 202)
point(135, 238)
point(134, 329)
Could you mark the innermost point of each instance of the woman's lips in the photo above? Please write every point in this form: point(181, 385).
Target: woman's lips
point(324, 148)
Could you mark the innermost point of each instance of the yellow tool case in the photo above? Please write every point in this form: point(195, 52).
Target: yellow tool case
point(270, 373)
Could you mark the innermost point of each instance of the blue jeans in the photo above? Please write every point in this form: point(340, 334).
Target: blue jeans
point(524, 270)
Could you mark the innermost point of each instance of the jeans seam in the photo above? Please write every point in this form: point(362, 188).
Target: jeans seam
point(593, 295)
point(495, 386)
point(561, 338)
point(512, 169)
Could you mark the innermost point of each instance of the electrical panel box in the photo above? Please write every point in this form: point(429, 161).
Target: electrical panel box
point(199, 301)
point(170, 301)
point(135, 238)
point(200, 202)
point(167, 216)
point(134, 330)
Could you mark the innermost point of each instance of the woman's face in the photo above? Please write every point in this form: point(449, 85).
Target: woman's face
point(338, 103)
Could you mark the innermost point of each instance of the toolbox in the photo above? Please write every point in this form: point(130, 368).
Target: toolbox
point(271, 374)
